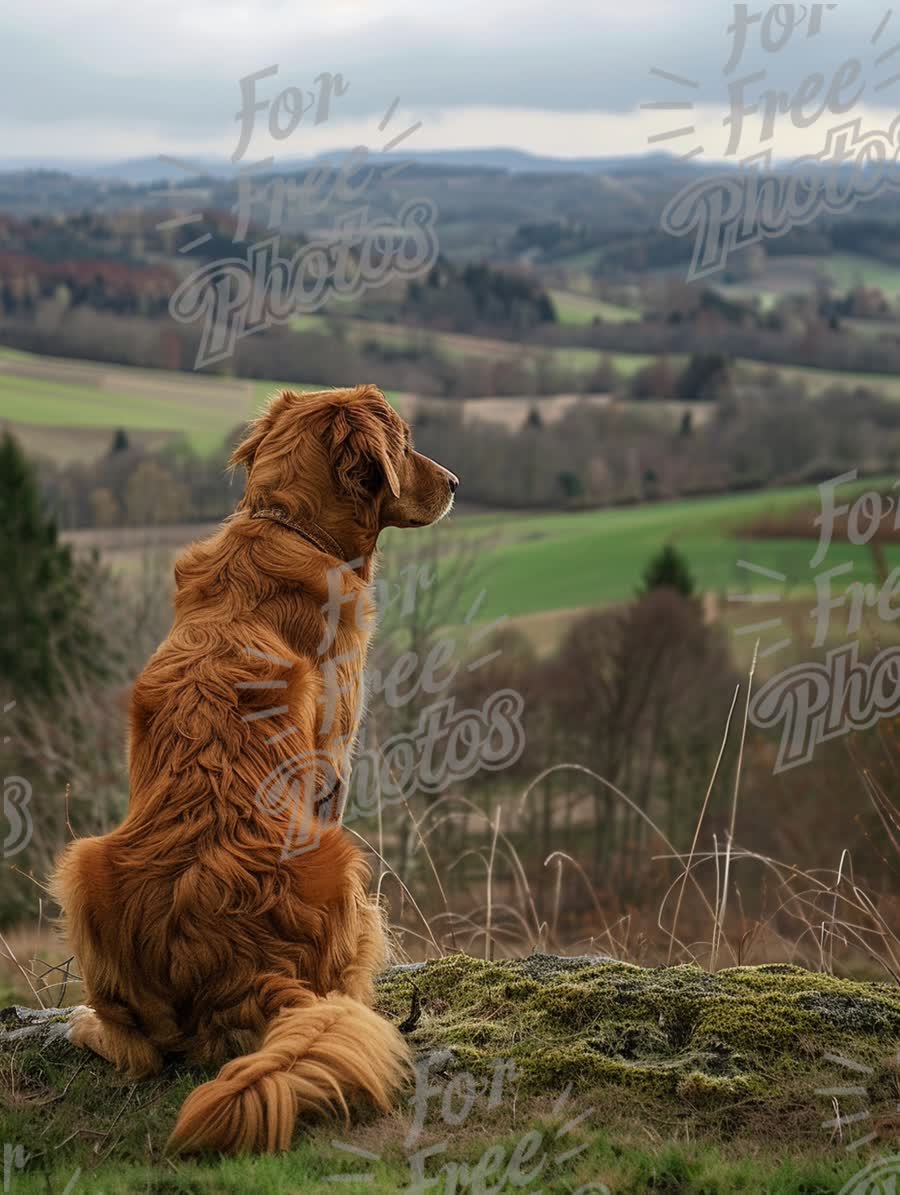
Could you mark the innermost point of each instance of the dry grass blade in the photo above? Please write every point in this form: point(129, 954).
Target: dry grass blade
point(393, 873)
point(488, 951)
point(645, 817)
point(722, 904)
point(699, 826)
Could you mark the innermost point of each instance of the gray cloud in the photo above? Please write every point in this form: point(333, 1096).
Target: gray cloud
point(176, 70)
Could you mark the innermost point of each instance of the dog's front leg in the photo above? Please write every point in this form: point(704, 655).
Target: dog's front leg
point(127, 1049)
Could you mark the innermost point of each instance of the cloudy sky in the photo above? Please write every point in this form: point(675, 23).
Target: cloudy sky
point(94, 79)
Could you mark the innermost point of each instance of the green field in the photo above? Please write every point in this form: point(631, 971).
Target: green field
point(459, 346)
point(817, 381)
point(749, 293)
point(537, 563)
point(66, 404)
point(851, 269)
point(573, 308)
point(585, 260)
point(46, 395)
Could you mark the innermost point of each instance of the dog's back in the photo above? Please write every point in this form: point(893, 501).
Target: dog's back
point(195, 933)
point(198, 930)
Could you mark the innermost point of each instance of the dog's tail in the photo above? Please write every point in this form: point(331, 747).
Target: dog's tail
point(312, 1059)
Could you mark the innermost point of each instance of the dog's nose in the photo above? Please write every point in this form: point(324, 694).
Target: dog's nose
point(452, 482)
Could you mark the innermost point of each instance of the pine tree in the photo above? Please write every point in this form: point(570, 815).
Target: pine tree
point(668, 570)
point(44, 606)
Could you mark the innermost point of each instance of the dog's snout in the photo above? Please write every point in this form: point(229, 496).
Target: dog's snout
point(453, 482)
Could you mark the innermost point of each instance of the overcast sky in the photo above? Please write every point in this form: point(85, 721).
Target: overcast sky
point(95, 79)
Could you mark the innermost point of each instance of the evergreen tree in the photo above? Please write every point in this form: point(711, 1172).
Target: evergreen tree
point(668, 570)
point(44, 605)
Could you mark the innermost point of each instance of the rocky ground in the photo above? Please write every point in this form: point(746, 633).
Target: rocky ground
point(544, 1074)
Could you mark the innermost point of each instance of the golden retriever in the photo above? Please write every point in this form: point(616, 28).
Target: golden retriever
point(198, 934)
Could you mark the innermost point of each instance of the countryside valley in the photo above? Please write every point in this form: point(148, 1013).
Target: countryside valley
point(636, 549)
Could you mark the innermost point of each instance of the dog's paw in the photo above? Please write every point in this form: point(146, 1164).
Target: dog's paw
point(78, 1015)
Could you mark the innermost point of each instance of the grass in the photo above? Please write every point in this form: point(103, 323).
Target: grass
point(817, 381)
point(54, 393)
point(797, 274)
point(583, 309)
point(627, 1164)
point(585, 259)
point(544, 562)
point(541, 567)
point(27, 400)
point(749, 293)
point(461, 346)
point(665, 1079)
point(850, 269)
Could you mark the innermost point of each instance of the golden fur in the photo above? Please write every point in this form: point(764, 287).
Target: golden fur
point(198, 935)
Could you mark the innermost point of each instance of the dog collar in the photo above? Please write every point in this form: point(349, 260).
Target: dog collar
point(310, 531)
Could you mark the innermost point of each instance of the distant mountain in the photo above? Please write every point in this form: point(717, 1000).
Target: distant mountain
point(140, 171)
point(59, 165)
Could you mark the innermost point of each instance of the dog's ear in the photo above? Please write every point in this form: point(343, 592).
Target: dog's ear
point(363, 450)
point(246, 450)
point(258, 429)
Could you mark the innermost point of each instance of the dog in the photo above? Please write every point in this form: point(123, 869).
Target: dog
point(199, 936)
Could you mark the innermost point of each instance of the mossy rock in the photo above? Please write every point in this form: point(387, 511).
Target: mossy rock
point(737, 1057)
point(743, 1035)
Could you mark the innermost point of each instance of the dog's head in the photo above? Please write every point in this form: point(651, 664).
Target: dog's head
point(345, 459)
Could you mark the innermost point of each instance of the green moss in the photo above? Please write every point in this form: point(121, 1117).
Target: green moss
point(741, 1033)
point(731, 1060)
